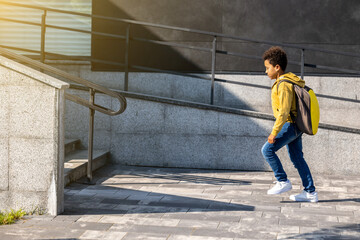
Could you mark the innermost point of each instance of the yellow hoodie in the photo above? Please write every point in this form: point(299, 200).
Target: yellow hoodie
point(283, 100)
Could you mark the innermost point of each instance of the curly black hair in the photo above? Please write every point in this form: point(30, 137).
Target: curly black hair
point(276, 55)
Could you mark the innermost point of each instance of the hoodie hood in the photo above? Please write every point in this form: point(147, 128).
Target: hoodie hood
point(292, 77)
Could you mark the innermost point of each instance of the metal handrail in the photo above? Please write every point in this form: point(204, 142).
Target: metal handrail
point(127, 38)
point(215, 34)
point(91, 85)
point(179, 29)
point(212, 50)
point(94, 88)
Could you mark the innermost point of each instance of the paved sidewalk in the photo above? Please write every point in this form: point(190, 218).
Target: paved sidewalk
point(162, 203)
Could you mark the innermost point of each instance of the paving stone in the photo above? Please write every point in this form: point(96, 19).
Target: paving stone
point(344, 219)
point(128, 220)
point(300, 223)
point(144, 197)
point(180, 237)
point(177, 191)
point(151, 229)
point(312, 217)
point(183, 203)
point(315, 230)
point(80, 198)
point(318, 205)
point(90, 234)
point(116, 195)
point(191, 186)
point(347, 207)
point(130, 192)
point(55, 233)
point(70, 191)
point(332, 189)
point(316, 211)
point(143, 236)
point(148, 209)
point(39, 224)
point(246, 187)
point(260, 226)
point(203, 196)
point(248, 220)
point(212, 216)
point(68, 218)
point(256, 235)
point(120, 201)
point(90, 205)
point(72, 210)
point(286, 236)
point(218, 233)
point(267, 208)
point(192, 204)
point(225, 214)
point(149, 199)
point(13, 236)
point(145, 215)
point(39, 217)
point(90, 218)
point(228, 193)
point(234, 233)
point(111, 219)
point(90, 226)
point(198, 223)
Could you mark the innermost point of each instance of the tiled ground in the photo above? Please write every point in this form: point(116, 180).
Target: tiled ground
point(173, 204)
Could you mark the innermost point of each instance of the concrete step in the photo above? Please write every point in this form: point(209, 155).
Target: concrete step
point(76, 164)
point(71, 145)
point(76, 160)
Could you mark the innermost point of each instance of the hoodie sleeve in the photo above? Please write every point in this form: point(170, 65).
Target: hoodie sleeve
point(285, 94)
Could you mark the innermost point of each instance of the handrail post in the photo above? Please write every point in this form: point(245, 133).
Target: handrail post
point(213, 65)
point(302, 63)
point(127, 44)
point(43, 31)
point(91, 137)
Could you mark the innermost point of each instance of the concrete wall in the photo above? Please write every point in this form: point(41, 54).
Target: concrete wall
point(326, 24)
point(166, 135)
point(31, 139)
point(342, 111)
point(159, 134)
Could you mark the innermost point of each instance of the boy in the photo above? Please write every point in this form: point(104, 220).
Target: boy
point(285, 131)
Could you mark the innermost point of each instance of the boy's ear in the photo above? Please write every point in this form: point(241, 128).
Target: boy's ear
point(277, 67)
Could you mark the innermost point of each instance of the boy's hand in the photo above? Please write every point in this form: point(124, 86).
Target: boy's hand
point(271, 139)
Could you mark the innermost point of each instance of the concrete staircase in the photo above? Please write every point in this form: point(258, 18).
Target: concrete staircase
point(76, 160)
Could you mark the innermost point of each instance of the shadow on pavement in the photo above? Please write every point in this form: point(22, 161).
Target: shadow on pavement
point(350, 231)
point(109, 196)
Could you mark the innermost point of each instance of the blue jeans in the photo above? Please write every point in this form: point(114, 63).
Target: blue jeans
point(290, 136)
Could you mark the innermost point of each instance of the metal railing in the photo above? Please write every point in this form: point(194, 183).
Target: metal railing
point(128, 38)
point(93, 89)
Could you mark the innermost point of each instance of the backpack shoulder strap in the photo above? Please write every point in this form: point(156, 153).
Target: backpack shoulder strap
point(288, 81)
point(285, 80)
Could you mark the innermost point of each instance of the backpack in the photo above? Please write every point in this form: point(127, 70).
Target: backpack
point(307, 108)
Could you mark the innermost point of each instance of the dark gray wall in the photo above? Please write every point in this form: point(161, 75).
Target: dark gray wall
point(329, 24)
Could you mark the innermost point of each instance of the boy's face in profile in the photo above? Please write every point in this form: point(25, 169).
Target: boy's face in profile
point(271, 71)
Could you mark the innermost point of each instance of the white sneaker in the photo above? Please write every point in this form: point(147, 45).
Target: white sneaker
point(280, 187)
point(305, 197)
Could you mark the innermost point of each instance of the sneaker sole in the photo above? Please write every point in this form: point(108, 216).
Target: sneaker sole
point(305, 200)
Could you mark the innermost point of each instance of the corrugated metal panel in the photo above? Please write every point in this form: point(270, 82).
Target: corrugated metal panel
point(57, 41)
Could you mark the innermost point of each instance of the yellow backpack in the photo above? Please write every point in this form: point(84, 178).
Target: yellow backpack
point(307, 108)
